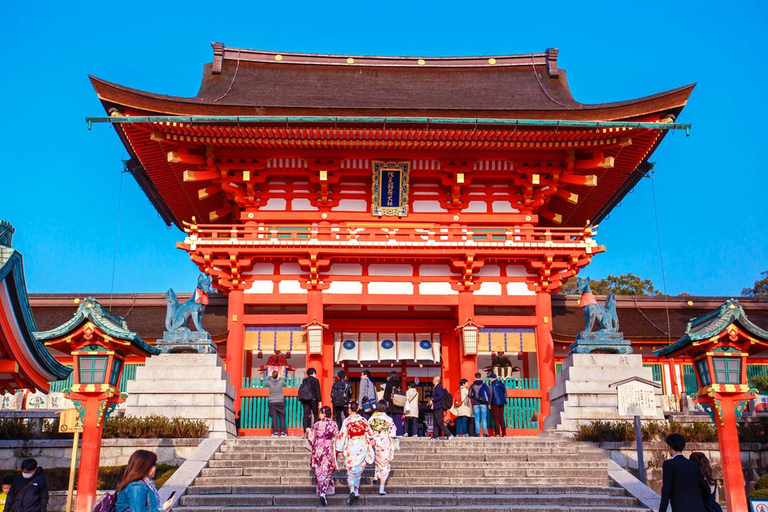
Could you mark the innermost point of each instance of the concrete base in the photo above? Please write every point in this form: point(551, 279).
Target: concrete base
point(192, 386)
point(581, 393)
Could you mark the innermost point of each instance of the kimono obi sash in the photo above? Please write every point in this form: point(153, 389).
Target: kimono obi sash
point(357, 429)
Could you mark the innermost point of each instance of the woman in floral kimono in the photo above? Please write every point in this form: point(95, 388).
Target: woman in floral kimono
point(384, 432)
point(322, 438)
point(356, 441)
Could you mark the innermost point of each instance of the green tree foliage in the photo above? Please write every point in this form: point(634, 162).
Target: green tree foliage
point(759, 289)
point(627, 284)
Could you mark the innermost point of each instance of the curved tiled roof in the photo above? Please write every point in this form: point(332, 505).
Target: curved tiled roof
point(109, 323)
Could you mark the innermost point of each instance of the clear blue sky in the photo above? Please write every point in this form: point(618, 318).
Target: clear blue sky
point(61, 182)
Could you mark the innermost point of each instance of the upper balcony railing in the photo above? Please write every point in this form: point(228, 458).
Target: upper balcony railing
point(335, 234)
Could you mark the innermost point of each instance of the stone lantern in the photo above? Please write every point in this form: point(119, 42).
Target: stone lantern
point(718, 344)
point(99, 342)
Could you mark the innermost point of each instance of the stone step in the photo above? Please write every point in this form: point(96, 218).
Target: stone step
point(414, 500)
point(388, 508)
point(232, 457)
point(412, 463)
point(415, 489)
point(428, 446)
point(575, 472)
point(534, 479)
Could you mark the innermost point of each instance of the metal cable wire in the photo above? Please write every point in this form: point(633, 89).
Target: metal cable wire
point(661, 258)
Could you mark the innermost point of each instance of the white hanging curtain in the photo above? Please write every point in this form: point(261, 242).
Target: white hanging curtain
point(369, 347)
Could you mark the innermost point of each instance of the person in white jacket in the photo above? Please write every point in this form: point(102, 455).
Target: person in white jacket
point(412, 411)
point(463, 411)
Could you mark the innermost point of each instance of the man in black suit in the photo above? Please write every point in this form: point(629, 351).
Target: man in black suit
point(683, 483)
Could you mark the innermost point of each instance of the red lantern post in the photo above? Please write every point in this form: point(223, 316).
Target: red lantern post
point(719, 344)
point(99, 342)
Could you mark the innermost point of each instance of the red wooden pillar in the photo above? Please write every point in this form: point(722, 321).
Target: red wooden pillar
point(323, 363)
point(466, 311)
point(545, 348)
point(90, 451)
point(730, 456)
point(235, 342)
point(450, 363)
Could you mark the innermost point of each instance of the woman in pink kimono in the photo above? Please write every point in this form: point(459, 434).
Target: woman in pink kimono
point(384, 432)
point(322, 438)
point(356, 441)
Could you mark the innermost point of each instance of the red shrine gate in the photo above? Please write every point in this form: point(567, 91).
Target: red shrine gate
point(396, 204)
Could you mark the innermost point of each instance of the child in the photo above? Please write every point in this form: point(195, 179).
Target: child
point(7, 481)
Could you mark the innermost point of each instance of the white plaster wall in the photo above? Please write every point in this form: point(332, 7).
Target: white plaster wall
point(489, 289)
point(274, 204)
point(290, 287)
point(290, 269)
point(503, 207)
point(428, 207)
point(379, 288)
point(303, 205)
point(435, 270)
point(436, 289)
point(390, 270)
point(516, 271)
point(351, 205)
point(346, 269)
point(518, 289)
point(489, 270)
point(476, 207)
point(261, 269)
point(346, 287)
point(261, 287)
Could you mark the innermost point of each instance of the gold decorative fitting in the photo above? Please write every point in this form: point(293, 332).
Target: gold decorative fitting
point(350, 60)
point(278, 57)
point(491, 61)
point(690, 303)
point(421, 62)
point(77, 301)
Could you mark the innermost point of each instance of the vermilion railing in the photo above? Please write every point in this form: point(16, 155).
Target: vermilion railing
point(367, 233)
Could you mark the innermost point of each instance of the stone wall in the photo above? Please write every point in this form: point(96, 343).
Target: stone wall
point(52, 453)
point(754, 458)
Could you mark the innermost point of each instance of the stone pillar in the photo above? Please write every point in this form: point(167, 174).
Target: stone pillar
point(545, 349)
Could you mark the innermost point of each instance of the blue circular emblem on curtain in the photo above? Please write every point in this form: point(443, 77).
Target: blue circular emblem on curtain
point(425, 344)
point(348, 345)
point(387, 344)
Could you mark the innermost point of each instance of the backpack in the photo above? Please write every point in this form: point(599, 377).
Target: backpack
point(106, 504)
point(458, 402)
point(305, 392)
point(339, 393)
point(447, 400)
point(483, 395)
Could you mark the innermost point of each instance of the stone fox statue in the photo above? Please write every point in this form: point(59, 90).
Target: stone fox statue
point(177, 315)
point(604, 317)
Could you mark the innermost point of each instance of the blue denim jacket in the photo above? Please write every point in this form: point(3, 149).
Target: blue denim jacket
point(137, 497)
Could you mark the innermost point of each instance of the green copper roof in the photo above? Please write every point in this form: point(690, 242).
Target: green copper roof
point(12, 274)
point(712, 324)
point(108, 322)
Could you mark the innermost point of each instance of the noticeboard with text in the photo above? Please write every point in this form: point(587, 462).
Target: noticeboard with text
point(70, 421)
point(389, 194)
point(636, 399)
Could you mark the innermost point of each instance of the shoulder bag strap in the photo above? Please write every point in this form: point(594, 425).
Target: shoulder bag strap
point(24, 489)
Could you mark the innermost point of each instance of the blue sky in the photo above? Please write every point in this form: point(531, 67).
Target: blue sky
point(61, 183)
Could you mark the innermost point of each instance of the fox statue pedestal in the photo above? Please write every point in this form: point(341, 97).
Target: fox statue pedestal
point(186, 342)
point(583, 393)
point(192, 386)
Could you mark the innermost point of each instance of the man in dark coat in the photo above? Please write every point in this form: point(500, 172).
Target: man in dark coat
point(438, 409)
point(29, 490)
point(314, 399)
point(683, 482)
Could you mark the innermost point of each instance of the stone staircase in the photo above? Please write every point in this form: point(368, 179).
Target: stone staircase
point(468, 474)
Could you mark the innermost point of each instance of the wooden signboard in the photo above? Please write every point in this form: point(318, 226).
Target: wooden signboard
point(70, 422)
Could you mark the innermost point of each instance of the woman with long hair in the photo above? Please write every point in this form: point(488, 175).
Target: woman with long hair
point(321, 438)
point(356, 441)
point(384, 433)
point(709, 477)
point(137, 491)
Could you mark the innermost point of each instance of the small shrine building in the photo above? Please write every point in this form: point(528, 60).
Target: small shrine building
point(398, 202)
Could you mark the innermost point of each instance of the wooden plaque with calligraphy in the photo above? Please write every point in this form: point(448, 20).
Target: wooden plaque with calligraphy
point(389, 194)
